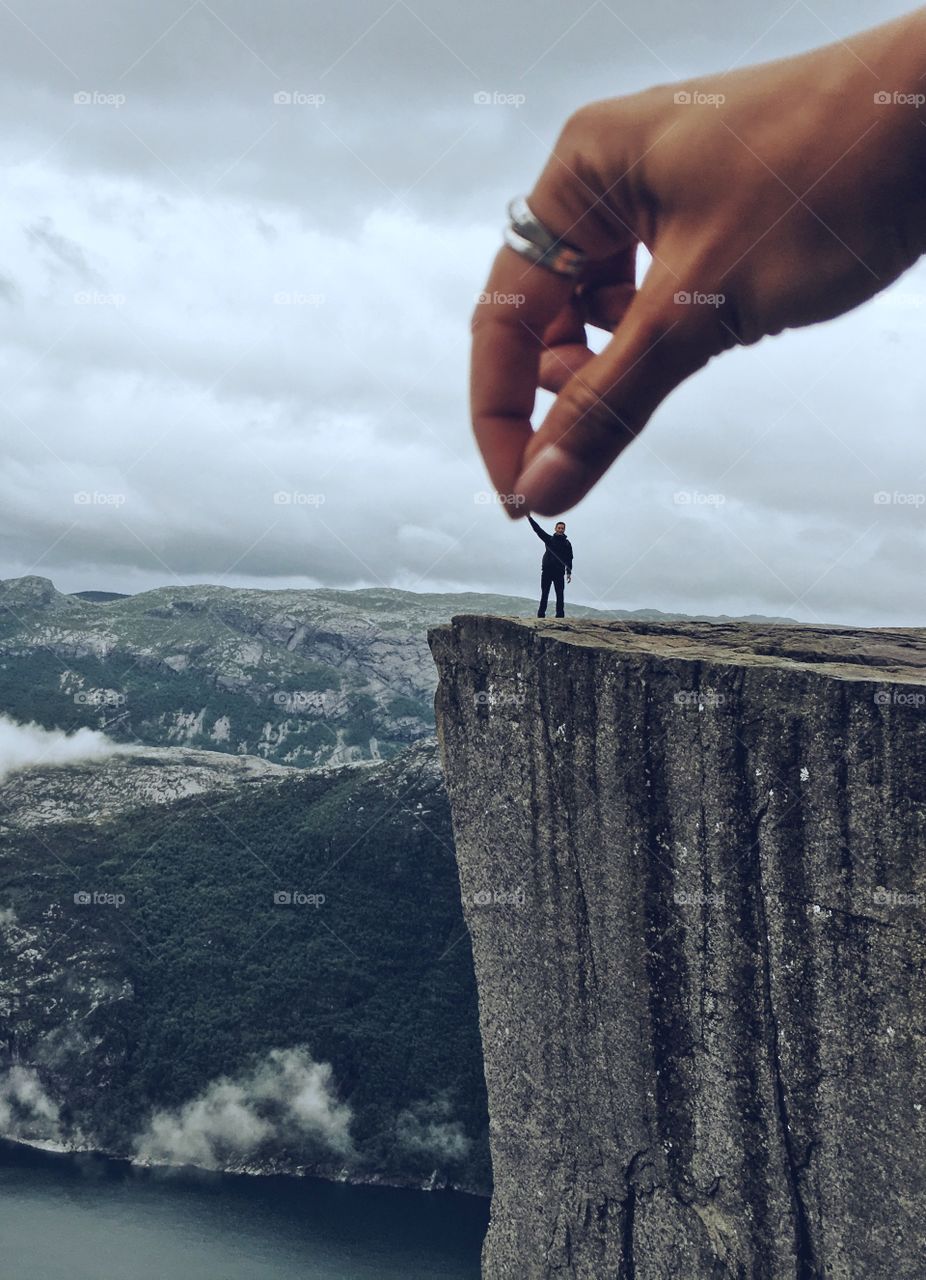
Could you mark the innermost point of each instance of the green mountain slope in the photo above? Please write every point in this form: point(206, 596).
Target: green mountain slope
point(201, 952)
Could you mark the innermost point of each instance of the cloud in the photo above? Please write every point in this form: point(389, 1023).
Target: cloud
point(26, 745)
point(426, 1128)
point(150, 365)
point(26, 1110)
point(286, 1097)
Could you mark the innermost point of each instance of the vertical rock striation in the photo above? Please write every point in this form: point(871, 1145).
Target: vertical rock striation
point(692, 865)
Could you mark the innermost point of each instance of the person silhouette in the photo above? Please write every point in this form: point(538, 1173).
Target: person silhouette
point(555, 566)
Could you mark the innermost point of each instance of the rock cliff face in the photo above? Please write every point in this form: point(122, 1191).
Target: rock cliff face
point(692, 864)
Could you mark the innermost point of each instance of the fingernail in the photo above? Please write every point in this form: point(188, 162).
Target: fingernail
point(553, 481)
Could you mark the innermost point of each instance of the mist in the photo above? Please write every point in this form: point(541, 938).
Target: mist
point(26, 745)
point(286, 1098)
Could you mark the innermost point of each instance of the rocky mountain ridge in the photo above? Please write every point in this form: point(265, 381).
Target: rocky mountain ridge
point(299, 677)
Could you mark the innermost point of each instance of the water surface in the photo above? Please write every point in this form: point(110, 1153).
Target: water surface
point(89, 1218)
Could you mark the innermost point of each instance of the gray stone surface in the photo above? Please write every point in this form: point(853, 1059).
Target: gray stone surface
point(691, 859)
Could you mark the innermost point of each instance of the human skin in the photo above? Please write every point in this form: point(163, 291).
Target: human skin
point(799, 196)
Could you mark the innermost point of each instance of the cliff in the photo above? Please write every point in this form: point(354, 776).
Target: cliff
point(691, 860)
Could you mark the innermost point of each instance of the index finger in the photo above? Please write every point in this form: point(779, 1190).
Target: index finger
point(518, 303)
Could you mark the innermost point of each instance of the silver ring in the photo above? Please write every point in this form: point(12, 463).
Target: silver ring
point(528, 236)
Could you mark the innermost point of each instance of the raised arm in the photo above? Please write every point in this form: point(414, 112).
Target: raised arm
point(545, 537)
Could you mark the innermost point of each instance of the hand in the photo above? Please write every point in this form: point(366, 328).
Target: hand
point(569, 577)
point(794, 199)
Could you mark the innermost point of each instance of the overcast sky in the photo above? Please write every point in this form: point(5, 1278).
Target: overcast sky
point(235, 326)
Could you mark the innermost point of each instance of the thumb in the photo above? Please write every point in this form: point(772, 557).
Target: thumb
point(663, 338)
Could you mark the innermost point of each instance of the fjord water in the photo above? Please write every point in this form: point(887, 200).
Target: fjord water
point(88, 1218)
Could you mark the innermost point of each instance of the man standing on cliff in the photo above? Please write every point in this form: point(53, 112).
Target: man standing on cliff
point(555, 566)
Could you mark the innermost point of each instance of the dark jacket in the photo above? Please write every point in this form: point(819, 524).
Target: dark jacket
point(558, 555)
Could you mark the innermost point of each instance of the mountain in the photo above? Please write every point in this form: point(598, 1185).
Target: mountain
point(90, 791)
point(297, 677)
point(270, 972)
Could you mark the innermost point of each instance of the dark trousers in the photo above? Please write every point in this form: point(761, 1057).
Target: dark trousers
point(558, 579)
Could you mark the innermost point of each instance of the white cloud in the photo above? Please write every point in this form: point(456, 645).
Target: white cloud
point(286, 1097)
point(427, 1128)
point(26, 1110)
point(146, 363)
point(25, 745)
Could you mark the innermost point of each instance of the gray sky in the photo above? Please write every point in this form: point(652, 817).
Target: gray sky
point(235, 329)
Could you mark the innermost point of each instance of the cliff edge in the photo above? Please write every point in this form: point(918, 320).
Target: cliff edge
point(692, 865)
